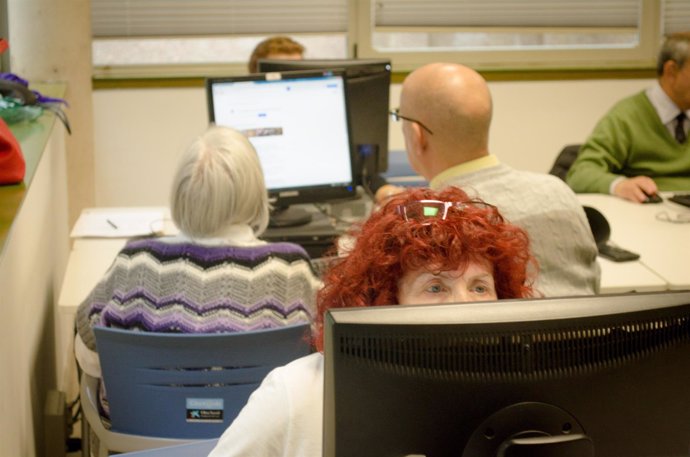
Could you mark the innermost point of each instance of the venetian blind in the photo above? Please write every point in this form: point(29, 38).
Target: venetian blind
point(507, 13)
point(676, 16)
point(128, 18)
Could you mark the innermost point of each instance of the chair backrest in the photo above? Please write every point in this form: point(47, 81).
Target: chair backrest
point(564, 160)
point(601, 230)
point(188, 385)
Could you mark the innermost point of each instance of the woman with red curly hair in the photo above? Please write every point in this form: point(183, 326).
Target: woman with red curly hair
point(437, 243)
point(422, 247)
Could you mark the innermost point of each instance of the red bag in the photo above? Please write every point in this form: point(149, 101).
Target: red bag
point(12, 165)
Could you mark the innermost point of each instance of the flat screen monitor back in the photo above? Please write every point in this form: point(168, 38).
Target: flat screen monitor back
point(604, 375)
point(368, 86)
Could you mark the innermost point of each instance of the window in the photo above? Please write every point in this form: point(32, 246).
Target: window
point(202, 38)
point(493, 34)
point(213, 37)
point(676, 16)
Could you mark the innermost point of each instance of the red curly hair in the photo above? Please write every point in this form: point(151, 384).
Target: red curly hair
point(387, 246)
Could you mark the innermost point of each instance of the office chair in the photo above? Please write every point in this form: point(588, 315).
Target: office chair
point(167, 389)
point(564, 160)
point(601, 230)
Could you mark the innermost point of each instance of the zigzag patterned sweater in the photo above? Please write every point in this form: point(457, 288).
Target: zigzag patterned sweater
point(161, 286)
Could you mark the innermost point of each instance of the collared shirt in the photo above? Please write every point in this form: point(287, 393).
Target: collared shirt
point(665, 108)
point(487, 161)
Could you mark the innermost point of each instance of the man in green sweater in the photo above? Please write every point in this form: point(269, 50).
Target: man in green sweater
point(641, 146)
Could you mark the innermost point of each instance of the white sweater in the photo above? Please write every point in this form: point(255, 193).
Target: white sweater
point(283, 417)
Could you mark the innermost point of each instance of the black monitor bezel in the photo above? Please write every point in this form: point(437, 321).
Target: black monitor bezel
point(355, 70)
point(284, 197)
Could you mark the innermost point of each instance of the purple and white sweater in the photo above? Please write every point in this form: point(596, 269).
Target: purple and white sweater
point(157, 285)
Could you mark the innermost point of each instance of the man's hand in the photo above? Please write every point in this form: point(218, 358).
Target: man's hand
point(635, 189)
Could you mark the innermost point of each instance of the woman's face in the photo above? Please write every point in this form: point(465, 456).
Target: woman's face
point(422, 286)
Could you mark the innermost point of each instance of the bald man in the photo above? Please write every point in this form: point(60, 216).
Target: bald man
point(446, 111)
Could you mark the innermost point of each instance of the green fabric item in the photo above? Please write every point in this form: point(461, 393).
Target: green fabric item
point(13, 110)
point(631, 141)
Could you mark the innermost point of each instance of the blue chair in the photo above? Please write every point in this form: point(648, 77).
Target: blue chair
point(167, 389)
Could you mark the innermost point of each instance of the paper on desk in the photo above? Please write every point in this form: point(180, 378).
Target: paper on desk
point(118, 223)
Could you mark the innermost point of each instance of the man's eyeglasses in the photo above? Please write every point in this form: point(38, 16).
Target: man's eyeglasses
point(395, 114)
point(427, 209)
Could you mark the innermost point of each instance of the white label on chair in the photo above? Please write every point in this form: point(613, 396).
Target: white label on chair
point(204, 410)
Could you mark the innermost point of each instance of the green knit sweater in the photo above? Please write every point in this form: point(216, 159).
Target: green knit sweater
point(631, 141)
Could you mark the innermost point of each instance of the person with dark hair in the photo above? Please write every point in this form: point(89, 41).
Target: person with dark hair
point(640, 146)
point(422, 247)
point(216, 275)
point(284, 47)
point(275, 47)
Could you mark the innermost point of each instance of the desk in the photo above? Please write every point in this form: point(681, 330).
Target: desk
point(664, 247)
point(88, 262)
point(661, 244)
point(624, 277)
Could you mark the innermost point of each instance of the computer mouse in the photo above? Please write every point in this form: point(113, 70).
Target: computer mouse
point(652, 198)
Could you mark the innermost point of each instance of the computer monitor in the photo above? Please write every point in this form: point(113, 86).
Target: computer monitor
point(368, 89)
point(597, 375)
point(299, 126)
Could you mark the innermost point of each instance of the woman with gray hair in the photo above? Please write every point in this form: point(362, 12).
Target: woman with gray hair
point(216, 275)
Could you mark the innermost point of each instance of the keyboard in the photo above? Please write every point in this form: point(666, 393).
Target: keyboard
point(682, 199)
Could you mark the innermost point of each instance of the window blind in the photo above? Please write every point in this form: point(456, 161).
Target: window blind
point(507, 13)
point(129, 18)
point(676, 16)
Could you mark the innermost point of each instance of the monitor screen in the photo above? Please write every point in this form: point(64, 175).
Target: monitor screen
point(368, 87)
point(598, 375)
point(298, 124)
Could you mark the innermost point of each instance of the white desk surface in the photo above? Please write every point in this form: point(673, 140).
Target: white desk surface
point(664, 247)
point(624, 277)
point(89, 260)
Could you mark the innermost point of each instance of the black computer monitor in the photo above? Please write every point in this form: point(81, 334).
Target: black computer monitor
point(599, 375)
point(368, 88)
point(299, 126)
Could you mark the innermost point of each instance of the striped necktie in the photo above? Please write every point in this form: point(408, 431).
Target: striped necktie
point(681, 137)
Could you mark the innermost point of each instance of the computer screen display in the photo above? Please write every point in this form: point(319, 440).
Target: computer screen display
point(368, 87)
point(299, 127)
point(598, 375)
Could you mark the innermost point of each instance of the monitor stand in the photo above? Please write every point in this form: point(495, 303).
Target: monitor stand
point(286, 216)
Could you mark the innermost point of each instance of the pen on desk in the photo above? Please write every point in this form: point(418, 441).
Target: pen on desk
point(111, 223)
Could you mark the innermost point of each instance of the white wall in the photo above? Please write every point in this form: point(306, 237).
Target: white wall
point(139, 133)
point(534, 120)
